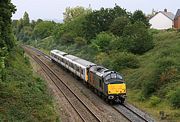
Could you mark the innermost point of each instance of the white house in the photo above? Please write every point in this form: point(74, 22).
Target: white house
point(162, 20)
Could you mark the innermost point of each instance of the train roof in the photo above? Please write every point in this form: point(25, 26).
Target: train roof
point(73, 58)
point(101, 71)
point(84, 62)
point(58, 52)
point(79, 60)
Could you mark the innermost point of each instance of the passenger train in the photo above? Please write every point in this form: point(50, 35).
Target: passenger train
point(106, 83)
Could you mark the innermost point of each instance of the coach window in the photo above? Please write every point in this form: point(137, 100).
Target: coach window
point(71, 65)
point(75, 67)
point(81, 71)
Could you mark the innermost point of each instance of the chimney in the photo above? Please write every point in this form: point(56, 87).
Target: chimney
point(165, 10)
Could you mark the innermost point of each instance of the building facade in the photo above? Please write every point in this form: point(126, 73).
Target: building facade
point(177, 20)
point(162, 20)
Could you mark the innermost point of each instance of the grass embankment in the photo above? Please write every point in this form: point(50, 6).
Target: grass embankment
point(159, 71)
point(24, 97)
point(154, 86)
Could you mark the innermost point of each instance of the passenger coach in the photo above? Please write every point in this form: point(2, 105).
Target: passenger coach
point(106, 83)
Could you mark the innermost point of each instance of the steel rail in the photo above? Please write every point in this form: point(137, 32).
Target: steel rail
point(124, 109)
point(50, 70)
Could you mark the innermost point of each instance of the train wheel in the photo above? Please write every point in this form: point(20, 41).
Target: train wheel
point(95, 91)
point(100, 94)
point(107, 100)
point(110, 102)
point(104, 97)
point(122, 101)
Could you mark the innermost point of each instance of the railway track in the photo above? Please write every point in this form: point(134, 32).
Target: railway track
point(133, 114)
point(83, 111)
point(128, 111)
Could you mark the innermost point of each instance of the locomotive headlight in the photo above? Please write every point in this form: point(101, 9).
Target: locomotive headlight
point(110, 97)
point(123, 96)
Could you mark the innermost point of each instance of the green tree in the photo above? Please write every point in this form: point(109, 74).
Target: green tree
point(26, 21)
point(122, 60)
point(100, 20)
point(117, 27)
point(138, 15)
point(72, 13)
point(137, 38)
point(6, 35)
point(43, 29)
point(102, 42)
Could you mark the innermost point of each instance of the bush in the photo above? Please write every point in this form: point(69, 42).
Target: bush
point(140, 96)
point(103, 41)
point(24, 97)
point(124, 60)
point(80, 41)
point(178, 30)
point(137, 38)
point(26, 60)
point(104, 59)
point(67, 38)
point(154, 100)
point(149, 87)
point(175, 98)
point(166, 71)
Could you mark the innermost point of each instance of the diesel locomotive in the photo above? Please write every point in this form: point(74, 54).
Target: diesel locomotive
point(106, 83)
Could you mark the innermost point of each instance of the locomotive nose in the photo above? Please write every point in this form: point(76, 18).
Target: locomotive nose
point(116, 88)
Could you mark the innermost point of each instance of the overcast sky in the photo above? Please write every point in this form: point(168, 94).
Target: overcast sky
point(53, 9)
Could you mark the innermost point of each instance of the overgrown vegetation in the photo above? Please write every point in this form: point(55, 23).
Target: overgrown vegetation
point(23, 97)
point(122, 41)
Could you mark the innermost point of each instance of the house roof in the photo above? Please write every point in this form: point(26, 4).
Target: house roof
point(170, 15)
point(177, 14)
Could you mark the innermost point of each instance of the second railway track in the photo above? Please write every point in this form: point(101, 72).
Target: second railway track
point(83, 110)
point(132, 113)
point(128, 111)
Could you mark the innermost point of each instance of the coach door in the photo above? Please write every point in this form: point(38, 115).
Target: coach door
point(91, 78)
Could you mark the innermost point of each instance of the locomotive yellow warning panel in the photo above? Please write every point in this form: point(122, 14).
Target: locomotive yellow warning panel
point(116, 88)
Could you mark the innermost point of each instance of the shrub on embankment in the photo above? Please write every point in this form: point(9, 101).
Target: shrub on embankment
point(24, 97)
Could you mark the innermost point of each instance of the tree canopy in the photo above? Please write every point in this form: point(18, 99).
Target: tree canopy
point(6, 36)
point(100, 20)
point(26, 20)
point(72, 13)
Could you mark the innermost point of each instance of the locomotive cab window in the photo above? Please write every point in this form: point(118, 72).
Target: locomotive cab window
point(108, 77)
point(113, 75)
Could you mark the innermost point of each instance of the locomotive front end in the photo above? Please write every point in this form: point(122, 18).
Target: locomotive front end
point(116, 88)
